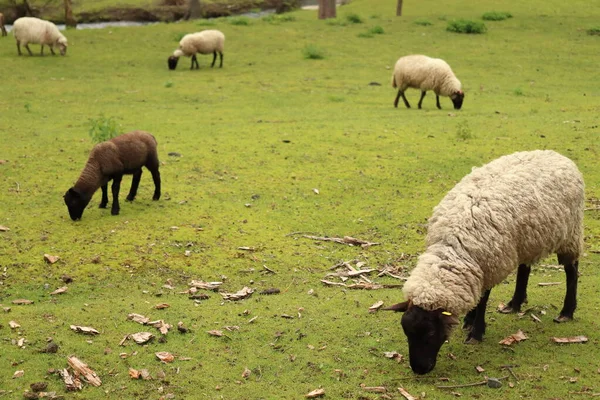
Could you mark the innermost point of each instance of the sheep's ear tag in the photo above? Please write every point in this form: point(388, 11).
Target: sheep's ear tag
point(446, 313)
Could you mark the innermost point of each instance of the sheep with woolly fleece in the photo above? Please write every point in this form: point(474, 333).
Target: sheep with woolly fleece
point(426, 73)
point(511, 212)
point(204, 42)
point(110, 160)
point(2, 27)
point(34, 30)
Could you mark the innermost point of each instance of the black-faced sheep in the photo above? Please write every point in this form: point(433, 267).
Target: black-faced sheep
point(34, 30)
point(511, 212)
point(110, 160)
point(2, 27)
point(204, 42)
point(426, 73)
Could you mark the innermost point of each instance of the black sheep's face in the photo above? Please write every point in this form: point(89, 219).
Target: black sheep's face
point(76, 203)
point(457, 99)
point(172, 61)
point(426, 332)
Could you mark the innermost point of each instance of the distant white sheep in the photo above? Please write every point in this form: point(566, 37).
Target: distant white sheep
point(426, 73)
point(34, 30)
point(204, 42)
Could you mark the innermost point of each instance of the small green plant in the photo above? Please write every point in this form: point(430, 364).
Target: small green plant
point(27, 107)
point(496, 16)
point(365, 35)
point(179, 36)
point(593, 31)
point(278, 18)
point(168, 84)
point(423, 22)
point(377, 30)
point(241, 21)
point(354, 19)
point(466, 26)
point(463, 131)
point(206, 22)
point(518, 92)
point(336, 22)
point(312, 52)
point(102, 129)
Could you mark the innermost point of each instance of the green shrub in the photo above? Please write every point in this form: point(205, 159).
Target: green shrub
point(168, 84)
point(463, 131)
point(496, 16)
point(312, 52)
point(243, 21)
point(365, 35)
point(102, 129)
point(377, 30)
point(336, 22)
point(466, 26)
point(354, 19)
point(518, 92)
point(593, 32)
point(423, 22)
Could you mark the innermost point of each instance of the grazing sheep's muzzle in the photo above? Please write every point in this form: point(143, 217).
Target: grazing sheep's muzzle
point(172, 62)
point(457, 99)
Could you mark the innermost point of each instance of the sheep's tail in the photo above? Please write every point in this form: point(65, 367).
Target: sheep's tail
point(394, 85)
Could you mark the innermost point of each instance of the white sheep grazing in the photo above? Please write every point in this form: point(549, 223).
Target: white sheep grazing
point(511, 212)
point(205, 42)
point(34, 30)
point(426, 73)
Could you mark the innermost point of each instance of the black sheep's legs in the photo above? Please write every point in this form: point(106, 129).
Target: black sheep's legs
point(135, 183)
point(478, 329)
point(214, 58)
point(469, 319)
point(195, 60)
point(104, 200)
point(423, 93)
point(520, 295)
point(221, 57)
point(571, 271)
point(437, 101)
point(28, 49)
point(156, 179)
point(401, 94)
point(116, 185)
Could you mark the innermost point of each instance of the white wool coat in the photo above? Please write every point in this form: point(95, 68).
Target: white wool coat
point(204, 42)
point(425, 73)
point(515, 210)
point(38, 31)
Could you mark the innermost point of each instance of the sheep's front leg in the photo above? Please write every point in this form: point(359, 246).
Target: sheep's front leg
point(116, 186)
point(572, 272)
point(19, 48)
point(401, 94)
point(423, 93)
point(156, 179)
point(520, 295)
point(52, 50)
point(195, 60)
point(135, 182)
point(214, 59)
point(221, 57)
point(104, 200)
point(476, 334)
point(42, 50)
point(437, 101)
point(28, 49)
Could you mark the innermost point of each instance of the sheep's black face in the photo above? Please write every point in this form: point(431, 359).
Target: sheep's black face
point(76, 203)
point(172, 61)
point(457, 99)
point(426, 332)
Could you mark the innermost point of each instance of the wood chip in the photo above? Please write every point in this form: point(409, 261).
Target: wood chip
point(88, 374)
point(376, 306)
point(18, 374)
point(139, 318)
point(535, 318)
point(84, 329)
point(514, 338)
point(165, 356)
point(141, 337)
point(404, 393)
point(50, 259)
point(134, 373)
point(206, 285)
point(394, 355)
point(246, 373)
point(374, 389)
point(162, 306)
point(22, 301)
point(13, 325)
point(71, 382)
point(315, 393)
point(215, 332)
point(573, 339)
point(145, 374)
point(549, 283)
point(246, 248)
point(240, 294)
point(479, 369)
point(60, 290)
point(4, 228)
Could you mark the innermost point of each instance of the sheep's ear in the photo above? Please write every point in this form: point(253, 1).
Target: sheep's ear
point(400, 307)
point(449, 318)
point(74, 192)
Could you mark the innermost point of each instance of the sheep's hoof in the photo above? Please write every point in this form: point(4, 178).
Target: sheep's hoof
point(507, 310)
point(130, 198)
point(102, 206)
point(472, 340)
point(114, 212)
point(563, 318)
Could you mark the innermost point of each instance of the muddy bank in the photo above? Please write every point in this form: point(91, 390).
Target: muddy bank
point(174, 11)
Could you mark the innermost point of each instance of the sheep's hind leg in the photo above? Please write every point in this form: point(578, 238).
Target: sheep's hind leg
point(221, 57)
point(401, 94)
point(571, 271)
point(104, 200)
point(437, 101)
point(423, 93)
point(28, 49)
point(520, 295)
point(135, 183)
point(214, 59)
point(476, 334)
point(116, 186)
point(195, 60)
point(52, 51)
point(156, 179)
point(19, 48)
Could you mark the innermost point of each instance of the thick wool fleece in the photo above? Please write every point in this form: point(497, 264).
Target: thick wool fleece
point(122, 154)
point(38, 31)
point(425, 73)
point(204, 42)
point(514, 210)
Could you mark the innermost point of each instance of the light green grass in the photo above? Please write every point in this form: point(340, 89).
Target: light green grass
point(255, 138)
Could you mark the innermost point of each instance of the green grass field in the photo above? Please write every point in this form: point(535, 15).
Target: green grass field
point(256, 139)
